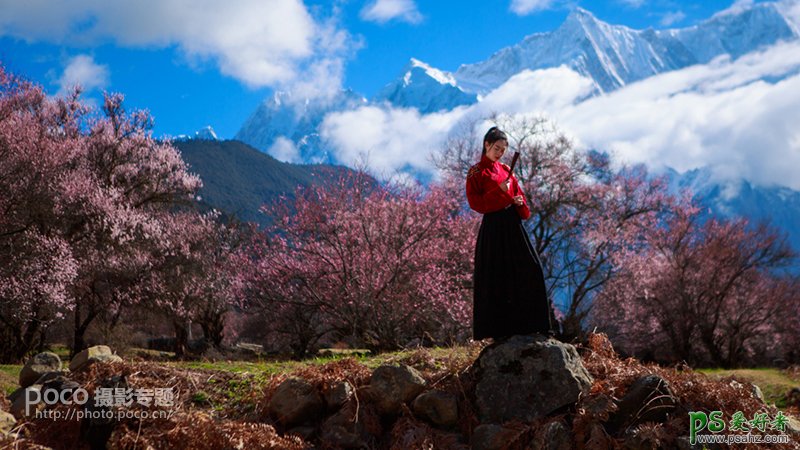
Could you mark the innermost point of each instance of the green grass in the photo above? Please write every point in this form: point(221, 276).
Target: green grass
point(9, 378)
point(774, 383)
point(62, 351)
point(270, 367)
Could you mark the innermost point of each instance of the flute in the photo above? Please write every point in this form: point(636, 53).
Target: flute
point(513, 163)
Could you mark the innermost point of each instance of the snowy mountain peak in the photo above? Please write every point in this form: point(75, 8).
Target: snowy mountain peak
point(582, 15)
point(206, 133)
point(436, 74)
point(287, 123)
point(425, 88)
point(615, 55)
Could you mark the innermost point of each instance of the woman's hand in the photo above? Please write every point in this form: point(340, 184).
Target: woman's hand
point(504, 186)
point(518, 200)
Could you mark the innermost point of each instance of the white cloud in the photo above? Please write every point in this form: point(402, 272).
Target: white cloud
point(382, 11)
point(672, 18)
point(259, 42)
point(389, 140)
point(791, 10)
point(283, 149)
point(523, 7)
point(537, 91)
point(720, 114)
point(82, 71)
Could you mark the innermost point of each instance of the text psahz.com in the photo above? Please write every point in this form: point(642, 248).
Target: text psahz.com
point(743, 439)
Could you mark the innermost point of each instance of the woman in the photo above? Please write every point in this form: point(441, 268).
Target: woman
point(510, 296)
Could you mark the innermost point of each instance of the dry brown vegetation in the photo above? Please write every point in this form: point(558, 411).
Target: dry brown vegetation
point(219, 409)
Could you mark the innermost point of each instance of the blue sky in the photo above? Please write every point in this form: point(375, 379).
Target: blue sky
point(210, 62)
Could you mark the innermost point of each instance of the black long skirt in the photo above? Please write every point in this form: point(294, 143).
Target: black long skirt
point(510, 296)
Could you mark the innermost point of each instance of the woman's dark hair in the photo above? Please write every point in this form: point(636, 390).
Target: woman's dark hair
point(493, 135)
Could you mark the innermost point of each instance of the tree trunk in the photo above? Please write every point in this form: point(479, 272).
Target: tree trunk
point(181, 338)
point(79, 331)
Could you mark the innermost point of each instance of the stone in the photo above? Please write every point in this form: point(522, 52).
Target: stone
point(392, 386)
point(59, 384)
point(648, 399)
point(295, 401)
point(793, 397)
point(793, 427)
point(38, 365)
point(758, 394)
point(554, 436)
point(438, 407)
point(18, 400)
point(338, 394)
point(342, 430)
point(98, 353)
point(492, 437)
point(7, 422)
point(527, 377)
point(51, 376)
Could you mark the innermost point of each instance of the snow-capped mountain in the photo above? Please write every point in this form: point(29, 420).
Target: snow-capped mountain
point(611, 55)
point(207, 133)
point(615, 55)
point(204, 134)
point(426, 88)
point(287, 120)
point(778, 206)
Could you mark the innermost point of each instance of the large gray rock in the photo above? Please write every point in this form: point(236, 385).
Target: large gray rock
point(337, 394)
point(295, 401)
point(527, 377)
point(344, 429)
point(392, 386)
point(18, 402)
point(648, 399)
point(438, 407)
point(37, 366)
point(554, 436)
point(98, 353)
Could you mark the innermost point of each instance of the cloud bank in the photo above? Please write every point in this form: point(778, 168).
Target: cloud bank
point(736, 116)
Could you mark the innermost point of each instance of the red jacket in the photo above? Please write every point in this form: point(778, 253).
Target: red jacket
point(483, 188)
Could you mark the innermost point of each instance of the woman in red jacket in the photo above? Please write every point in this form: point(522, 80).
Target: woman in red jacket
point(510, 296)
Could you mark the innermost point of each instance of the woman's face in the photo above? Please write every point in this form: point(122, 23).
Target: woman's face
point(496, 150)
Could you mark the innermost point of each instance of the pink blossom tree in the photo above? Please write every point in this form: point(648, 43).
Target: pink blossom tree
point(193, 275)
point(84, 200)
point(371, 265)
point(113, 207)
point(39, 141)
point(699, 290)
